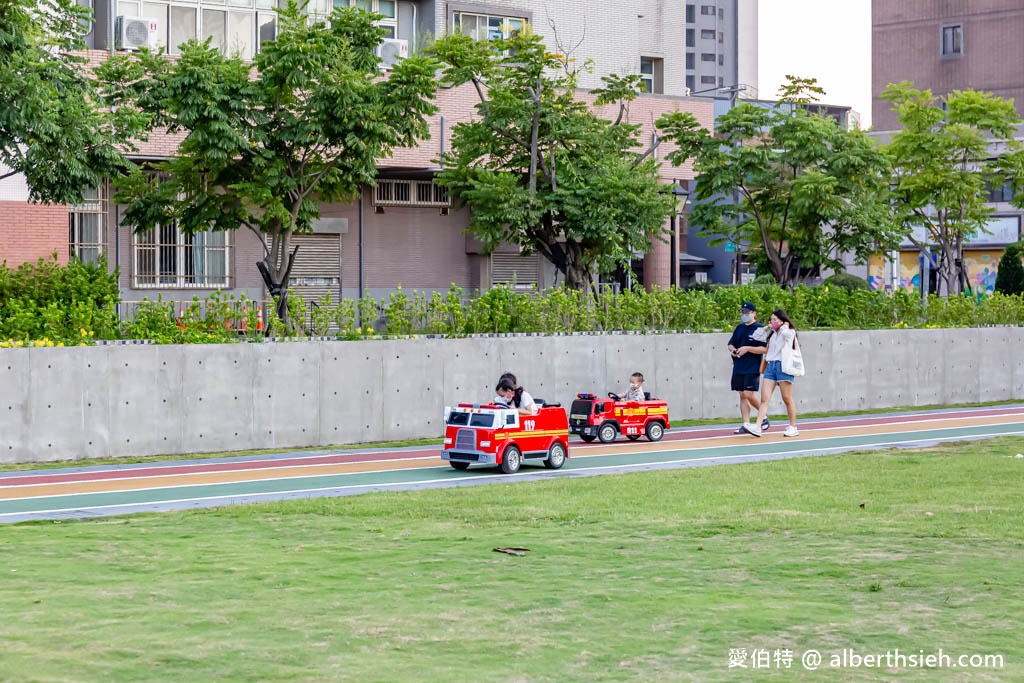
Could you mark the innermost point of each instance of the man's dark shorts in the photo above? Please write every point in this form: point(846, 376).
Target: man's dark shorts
point(746, 382)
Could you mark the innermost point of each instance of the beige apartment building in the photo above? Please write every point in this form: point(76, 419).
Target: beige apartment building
point(401, 232)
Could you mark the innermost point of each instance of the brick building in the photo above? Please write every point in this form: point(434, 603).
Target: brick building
point(946, 45)
point(403, 231)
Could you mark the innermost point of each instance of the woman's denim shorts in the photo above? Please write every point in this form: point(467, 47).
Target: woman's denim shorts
point(773, 371)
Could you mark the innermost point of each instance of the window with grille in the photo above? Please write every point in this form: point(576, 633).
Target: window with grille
point(424, 193)
point(165, 257)
point(85, 226)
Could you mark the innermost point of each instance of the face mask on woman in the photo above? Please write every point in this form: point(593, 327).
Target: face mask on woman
point(776, 324)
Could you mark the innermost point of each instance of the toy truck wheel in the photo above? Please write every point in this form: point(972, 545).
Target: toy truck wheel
point(587, 437)
point(632, 437)
point(655, 430)
point(556, 456)
point(459, 465)
point(511, 461)
point(607, 432)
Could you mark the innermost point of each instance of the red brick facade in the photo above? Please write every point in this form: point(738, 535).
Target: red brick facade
point(29, 232)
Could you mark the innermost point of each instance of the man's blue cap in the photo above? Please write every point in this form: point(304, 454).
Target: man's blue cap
point(747, 306)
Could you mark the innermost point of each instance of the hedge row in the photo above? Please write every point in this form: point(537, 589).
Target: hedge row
point(78, 304)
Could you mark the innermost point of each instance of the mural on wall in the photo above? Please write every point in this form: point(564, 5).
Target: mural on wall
point(876, 271)
point(982, 268)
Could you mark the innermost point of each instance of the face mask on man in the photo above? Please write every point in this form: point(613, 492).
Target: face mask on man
point(747, 318)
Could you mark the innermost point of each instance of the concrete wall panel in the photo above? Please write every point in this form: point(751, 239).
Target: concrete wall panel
point(15, 380)
point(412, 392)
point(216, 388)
point(351, 399)
point(145, 403)
point(147, 400)
point(890, 350)
point(286, 394)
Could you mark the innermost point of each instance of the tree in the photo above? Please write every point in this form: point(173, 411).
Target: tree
point(944, 159)
point(266, 142)
point(806, 190)
point(51, 129)
point(1010, 278)
point(539, 168)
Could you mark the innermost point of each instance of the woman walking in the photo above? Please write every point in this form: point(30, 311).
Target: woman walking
point(781, 338)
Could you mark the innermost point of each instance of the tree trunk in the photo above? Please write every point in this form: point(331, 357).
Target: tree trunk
point(276, 268)
point(577, 272)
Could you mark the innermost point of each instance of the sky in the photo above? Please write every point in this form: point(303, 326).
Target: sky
point(822, 39)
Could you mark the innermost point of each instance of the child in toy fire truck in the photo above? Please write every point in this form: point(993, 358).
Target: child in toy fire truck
point(635, 391)
point(515, 397)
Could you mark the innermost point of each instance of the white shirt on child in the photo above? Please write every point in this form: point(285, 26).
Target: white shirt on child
point(525, 402)
point(634, 394)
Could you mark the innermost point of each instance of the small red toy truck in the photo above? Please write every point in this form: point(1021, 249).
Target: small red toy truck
point(495, 435)
point(597, 418)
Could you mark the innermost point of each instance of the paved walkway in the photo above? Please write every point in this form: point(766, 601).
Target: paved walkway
point(128, 488)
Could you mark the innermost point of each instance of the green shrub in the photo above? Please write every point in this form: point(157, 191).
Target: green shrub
point(1010, 278)
point(847, 281)
point(71, 304)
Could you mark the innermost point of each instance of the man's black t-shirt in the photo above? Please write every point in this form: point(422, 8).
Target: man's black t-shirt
point(748, 363)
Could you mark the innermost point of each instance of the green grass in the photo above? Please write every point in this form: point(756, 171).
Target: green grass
point(643, 577)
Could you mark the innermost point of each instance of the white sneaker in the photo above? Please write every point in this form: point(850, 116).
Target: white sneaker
point(791, 431)
point(752, 429)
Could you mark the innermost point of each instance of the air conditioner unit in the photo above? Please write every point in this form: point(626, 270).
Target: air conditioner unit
point(131, 33)
point(391, 50)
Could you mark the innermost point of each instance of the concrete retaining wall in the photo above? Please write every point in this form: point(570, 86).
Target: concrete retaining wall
point(66, 403)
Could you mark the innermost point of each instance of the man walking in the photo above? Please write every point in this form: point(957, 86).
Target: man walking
point(746, 346)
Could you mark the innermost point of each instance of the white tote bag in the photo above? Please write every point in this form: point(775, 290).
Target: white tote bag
point(793, 359)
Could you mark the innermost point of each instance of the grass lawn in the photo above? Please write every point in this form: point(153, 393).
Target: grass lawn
point(646, 577)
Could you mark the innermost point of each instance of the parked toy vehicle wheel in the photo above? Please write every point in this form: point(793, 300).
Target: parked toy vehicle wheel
point(655, 430)
point(556, 456)
point(632, 437)
point(511, 461)
point(460, 465)
point(587, 437)
point(607, 432)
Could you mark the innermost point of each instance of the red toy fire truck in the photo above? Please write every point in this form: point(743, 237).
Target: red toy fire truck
point(495, 435)
point(597, 418)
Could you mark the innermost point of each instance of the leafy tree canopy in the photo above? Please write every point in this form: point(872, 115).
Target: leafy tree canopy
point(539, 168)
point(944, 160)
point(786, 182)
point(266, 142)
point(51, 129)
